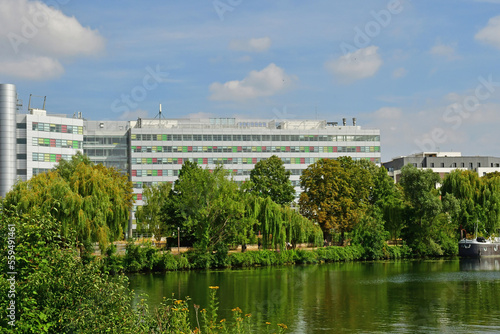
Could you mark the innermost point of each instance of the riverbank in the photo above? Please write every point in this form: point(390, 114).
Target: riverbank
point(147, 258)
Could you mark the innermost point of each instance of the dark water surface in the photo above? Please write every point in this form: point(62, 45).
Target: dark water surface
point(441, 296)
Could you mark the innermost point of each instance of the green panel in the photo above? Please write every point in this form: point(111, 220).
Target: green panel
point(164, 137)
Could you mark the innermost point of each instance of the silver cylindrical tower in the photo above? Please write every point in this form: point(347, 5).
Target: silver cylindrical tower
point(8, 157)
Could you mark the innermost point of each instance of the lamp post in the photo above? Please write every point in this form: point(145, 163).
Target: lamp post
point(178, 239)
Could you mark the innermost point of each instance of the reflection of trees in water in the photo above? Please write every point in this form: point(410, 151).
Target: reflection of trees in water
point(355, 297)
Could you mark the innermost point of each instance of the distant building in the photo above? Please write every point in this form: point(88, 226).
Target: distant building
point(443, 163)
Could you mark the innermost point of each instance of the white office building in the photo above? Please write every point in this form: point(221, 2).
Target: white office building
point(153, 150)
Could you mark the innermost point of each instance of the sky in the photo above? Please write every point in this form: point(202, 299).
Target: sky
point(426, 73)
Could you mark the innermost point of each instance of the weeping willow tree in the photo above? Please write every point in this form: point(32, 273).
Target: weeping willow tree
point(477, 198)
point(92, 200)
point(490, 201)
point(281, 224)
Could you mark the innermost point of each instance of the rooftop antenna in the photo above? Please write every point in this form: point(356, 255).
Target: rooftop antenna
point(44, 100)
point(159, 116)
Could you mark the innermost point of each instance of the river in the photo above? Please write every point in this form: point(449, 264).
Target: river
point(435, 296)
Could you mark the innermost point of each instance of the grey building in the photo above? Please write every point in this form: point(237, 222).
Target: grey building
point(443, 163)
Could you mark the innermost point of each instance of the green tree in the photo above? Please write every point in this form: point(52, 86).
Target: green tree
point(279, 224)
point(270, 179)
point(428, 230)
point(93, 200)
point(464, 187)
point(151, 214)
point(387, 200)
point(335, 193)
point(490, 202)
point(66, 168)
point(55, 291)
point(209, 206)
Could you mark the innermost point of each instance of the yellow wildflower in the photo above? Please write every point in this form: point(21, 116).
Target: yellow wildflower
point(213, 287)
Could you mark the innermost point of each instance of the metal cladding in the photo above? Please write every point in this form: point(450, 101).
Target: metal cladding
point(8, 105)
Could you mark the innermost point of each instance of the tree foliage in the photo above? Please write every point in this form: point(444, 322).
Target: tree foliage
point(209, 206)
point(151, 215)
point(428, 230)
point(91, 199)
point(335, 193)
point(270, 179)
point(473, 201)
point(279, 224)
point(55, 291)
point(461, 192)
point(212, 212)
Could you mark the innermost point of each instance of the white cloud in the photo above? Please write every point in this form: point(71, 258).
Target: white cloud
point(361, 64)
point(445, 51)
point(399, 72)
point(251, 45)
point(491, 33)
point(128, 115)
point(267, 82)
point(33, 68)
point(33, 34)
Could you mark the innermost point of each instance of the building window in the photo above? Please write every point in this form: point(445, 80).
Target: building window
point(21, 125)
point(432, 165)
point(442, 164)
point(478, 164)
point(22, 172)
point(21, 156)
point(23, 141)
point(471, 165)
point(463, 164)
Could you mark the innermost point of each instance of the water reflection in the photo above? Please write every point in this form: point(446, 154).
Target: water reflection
point(484, 263)
point(373, 297)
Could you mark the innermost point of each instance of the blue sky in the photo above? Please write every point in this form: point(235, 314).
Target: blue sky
point(425, 72)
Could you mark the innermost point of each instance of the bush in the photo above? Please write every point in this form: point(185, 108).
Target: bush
point(371, 235)
point(56, 292)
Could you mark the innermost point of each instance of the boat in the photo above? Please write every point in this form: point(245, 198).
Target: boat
point(479, 247)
